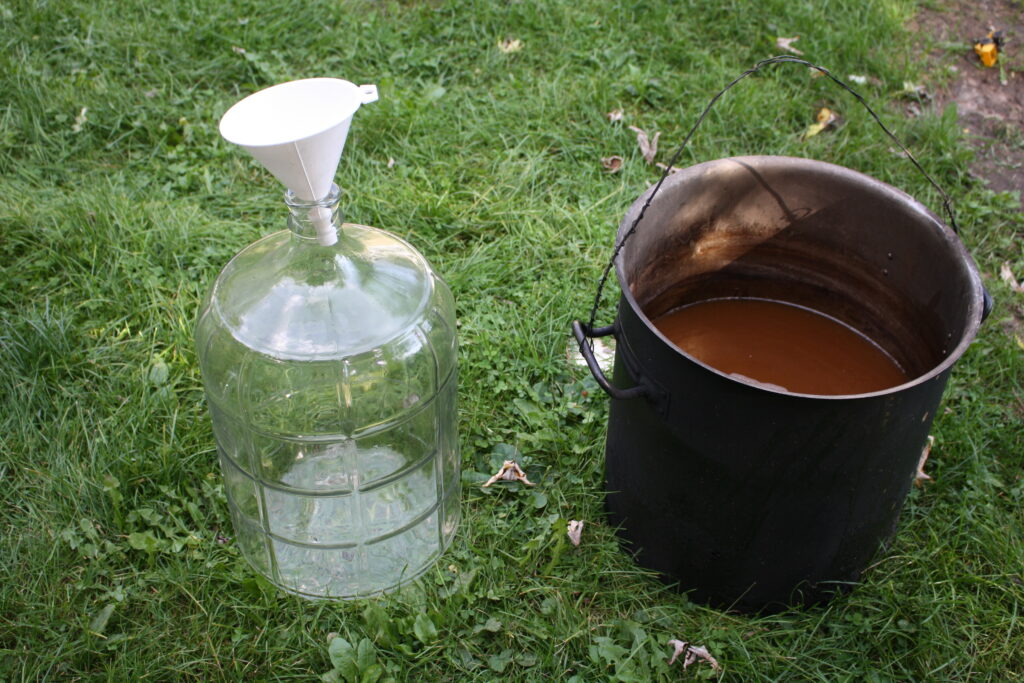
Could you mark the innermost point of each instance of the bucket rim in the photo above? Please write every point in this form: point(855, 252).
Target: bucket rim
point(953, 241)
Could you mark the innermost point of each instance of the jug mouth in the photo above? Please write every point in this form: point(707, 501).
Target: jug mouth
point(815, 235)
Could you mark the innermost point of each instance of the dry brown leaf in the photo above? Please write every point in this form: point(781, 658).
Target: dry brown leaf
point(510, 45)
point(1006, 275)
point(664, 166)
point(692, 654)
point(786, 44)
point(615, 115)
point(679, 647)
point(574, 531)
point(648, 146)
point(612, 164)
point(920, 477)
point(510, 471)
point(701, 652)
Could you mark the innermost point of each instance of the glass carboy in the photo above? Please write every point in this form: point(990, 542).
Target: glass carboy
point(330, 373)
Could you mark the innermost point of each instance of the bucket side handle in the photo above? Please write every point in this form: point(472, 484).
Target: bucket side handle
point(582, 335)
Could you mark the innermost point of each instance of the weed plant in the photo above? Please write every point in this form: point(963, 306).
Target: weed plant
point(119, 202)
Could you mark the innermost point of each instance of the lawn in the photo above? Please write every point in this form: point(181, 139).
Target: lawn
point(120, 203)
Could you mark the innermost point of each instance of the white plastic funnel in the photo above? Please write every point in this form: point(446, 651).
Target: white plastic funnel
point(298, 131)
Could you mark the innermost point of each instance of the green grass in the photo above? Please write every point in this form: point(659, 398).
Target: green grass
point(116, 558)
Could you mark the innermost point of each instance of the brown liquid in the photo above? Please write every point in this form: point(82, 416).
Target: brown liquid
point(780, 344)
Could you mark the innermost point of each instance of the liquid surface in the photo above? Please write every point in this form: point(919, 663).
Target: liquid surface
point(781, 345)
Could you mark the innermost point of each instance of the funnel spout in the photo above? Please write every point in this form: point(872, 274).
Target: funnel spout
point(319, 220)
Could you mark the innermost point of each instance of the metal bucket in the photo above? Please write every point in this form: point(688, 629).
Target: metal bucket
point(753, 497)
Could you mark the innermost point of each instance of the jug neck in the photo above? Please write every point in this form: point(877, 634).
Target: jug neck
point(317, 221)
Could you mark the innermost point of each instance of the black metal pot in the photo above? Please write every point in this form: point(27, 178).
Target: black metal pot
point(753, 497)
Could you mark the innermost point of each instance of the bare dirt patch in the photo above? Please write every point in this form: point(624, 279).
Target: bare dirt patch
point(990, 101)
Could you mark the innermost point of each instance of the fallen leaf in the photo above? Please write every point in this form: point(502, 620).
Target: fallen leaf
point(692, 654)
point(612, 164)
point(679, 647)
point(702, 653)
point(920, 477)
point(786, 45)
point(510, 45)
point(988, 48)
point(574, 531)
point(80, 120)
point(1006, 275)
point(615, 115)
point(648, 146)
point(824, 119)
point(664, 166)
point(510, 471)
point(915, 91)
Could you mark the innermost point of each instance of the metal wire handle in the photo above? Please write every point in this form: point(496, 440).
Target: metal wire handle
point(947, 203)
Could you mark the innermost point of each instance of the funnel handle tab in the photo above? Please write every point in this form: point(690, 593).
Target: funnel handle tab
point(587, 352)
point(368, 94)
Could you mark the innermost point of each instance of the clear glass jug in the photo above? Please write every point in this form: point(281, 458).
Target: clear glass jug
point(330, 373)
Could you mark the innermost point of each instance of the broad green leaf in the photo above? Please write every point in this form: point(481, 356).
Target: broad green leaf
point(528, 409)
point(366, 656)
point(379, 625)
point(525, 659)
point(158, 373)
point(340, 651)
point(99, 622)
point(500, 662)
point(144, 540)
point(424, 630)
point(607, 651)
point(372, 674)
point(435, 92)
